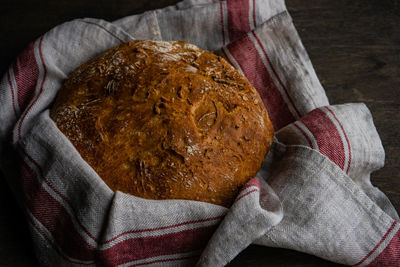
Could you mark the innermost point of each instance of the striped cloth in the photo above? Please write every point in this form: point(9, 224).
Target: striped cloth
point(312, 194)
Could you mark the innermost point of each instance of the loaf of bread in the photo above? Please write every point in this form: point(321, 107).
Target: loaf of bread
point(165, 120)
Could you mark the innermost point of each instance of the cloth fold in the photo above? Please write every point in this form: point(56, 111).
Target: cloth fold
point(327, 213)
point(312, 194)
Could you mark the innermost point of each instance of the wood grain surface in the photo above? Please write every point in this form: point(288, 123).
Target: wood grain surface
point(355, 49)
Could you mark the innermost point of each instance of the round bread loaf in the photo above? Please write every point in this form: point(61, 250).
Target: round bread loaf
point(165, 120)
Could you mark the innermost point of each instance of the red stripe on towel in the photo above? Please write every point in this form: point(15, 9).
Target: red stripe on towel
point(26, 73)
point(250, 183)
point(345, 136)
point(276, 74)
point(152, 246)
point(53, 216)
point(55, 247)
point(238, 18)
point(377, 245)
point(390, 256)
point(40, 90)
point(57, 192)
point(247, 56)
point(327, 136)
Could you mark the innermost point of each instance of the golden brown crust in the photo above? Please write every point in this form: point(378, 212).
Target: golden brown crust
point(165, 120)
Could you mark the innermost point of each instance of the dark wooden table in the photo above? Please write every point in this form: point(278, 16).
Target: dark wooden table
point(355, 49)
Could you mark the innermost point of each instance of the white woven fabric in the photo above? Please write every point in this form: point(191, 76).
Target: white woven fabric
point(312, 194)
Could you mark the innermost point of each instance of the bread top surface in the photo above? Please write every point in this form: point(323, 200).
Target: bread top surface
point(165, 120)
